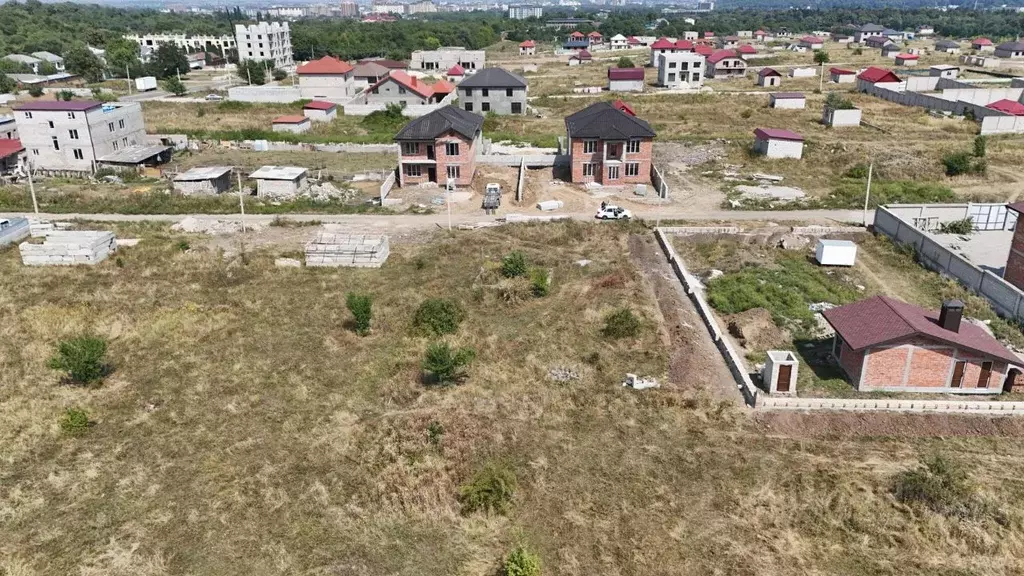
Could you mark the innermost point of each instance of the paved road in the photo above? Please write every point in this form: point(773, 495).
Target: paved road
point(399, 222)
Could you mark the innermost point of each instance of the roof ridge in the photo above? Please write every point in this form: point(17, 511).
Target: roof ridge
point(888, 301)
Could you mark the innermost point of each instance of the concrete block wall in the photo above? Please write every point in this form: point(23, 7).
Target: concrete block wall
point(280, 94)
point(350, 250)
point(13, 230)
point(69, 249)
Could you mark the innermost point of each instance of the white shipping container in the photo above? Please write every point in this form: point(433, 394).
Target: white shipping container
point(145, 83)
point(835, 253)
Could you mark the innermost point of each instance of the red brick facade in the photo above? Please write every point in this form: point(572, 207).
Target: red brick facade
point(600, 171)
point(1014, 273)
point(417, 161)
point(918, 364)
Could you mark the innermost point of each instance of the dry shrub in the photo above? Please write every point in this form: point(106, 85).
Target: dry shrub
point(514, 291)
point(613, 281)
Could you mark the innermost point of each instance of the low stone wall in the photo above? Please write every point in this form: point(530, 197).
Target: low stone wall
point(992, 408)
point(69, 249)
point(694, 230)
point(350, 250)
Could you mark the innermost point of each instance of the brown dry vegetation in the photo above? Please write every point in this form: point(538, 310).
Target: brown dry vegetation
point(245, 430)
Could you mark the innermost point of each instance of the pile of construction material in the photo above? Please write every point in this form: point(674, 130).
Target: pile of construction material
point(358, 250)
point(69, 249)
point(13, 230)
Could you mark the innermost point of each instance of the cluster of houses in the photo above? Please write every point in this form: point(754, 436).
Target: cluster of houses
point(39, 68)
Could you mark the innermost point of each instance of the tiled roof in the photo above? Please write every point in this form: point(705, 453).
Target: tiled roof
point(703, 50)
point(582, 55)
point(440, 122)
point(594, 34)
point(443, 87)
point(369, 70)
point(494, 78)
point(527, 44)
point(981, 42)
point(418, 87)
point(10, 147)
point(319, 105)
point(777, 134)
point(603, 120)
point(662, 44)
point(58, 106)
point(389, 64)
point(881, 319)
point(325, 65)
point(719, 55)
point(1008, 106)
point(625, 73)
point(576, 34)
point(746, 49)
point(812, 40)
point(290, 119)
point(456, 70)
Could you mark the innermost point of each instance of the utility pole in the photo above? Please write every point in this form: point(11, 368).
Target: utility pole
point(178, 70)
point(129, 74)
point(241, 200)
point(32, 190)
point(249, 74)
point(867, 193)
point(821, 77)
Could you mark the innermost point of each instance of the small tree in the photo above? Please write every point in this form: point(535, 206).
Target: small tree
point(65, 95)
point(621, 324)
point(279, 74)
point(445, 364)
point(35, 91)
point(175, 86)
point(490, 491)
point(81, 359)
point(361, 307)
point(980, 144)
point(821, 57)
point(514, 265)
point(835, 101)
point(522, 562)
point(74, 422)
point(439, 316)
point(540, 282)
point(625, 62)
point(957, 163)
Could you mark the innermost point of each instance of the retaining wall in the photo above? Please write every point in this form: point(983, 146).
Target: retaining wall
point(658, 181)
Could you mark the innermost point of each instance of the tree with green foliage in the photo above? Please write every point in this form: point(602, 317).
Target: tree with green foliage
point(175, 86)
point(621, 324)
point(443, 364)
point(35, 90)
point(65, 95)
point(80, 60)
point(514, 265)
point(81, 359)
point(46, 68)
point(7, 84)
point(521, 562)
point(123, 57)
point(253, 71)
point(361, 308)
point(12, 67)
point(166, 61)
point(439, 316)
point(279, 74)
point(624, 62)
point(980, 146)
point(821, 57)
point(836, 101)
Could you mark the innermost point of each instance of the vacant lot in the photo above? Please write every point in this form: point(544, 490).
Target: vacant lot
point(246, 429)
point(766, 292)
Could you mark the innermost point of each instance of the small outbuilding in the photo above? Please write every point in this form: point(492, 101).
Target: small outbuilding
point(320, 111)
point(769, 77)
point(455, 74)
point(842, 76)
point(835, 252)
point(983, 45)
point(789, 100)
point(292, 123)
point(779, 372)
point(204, 180)
point(890, 51)
point(778, 143)
point(279, 181)
point(903, 59)
point(581, 57)
point(1006, 106)
point(944, 71)
point(625, 79)
point(947, 47)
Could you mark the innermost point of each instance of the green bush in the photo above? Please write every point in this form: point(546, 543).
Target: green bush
point(938, 484)
point(514, 265)
point(965, 226)
point(957, 163)
point(625, 62)
point(980, 145)
point(490, 491)
point(35, 91)
point(65, 95)
point(435, 431)
point(746, 114)
point(858, 171)
point(361, 307)
point(836, 101)
point(621, 324)
point(540, 282)
point(279, 74)
point(522, 562)
point(439, 316)
point(81, 359)
point(74, 422)
point(444, 364)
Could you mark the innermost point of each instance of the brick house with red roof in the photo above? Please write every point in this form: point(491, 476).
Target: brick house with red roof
point(725, 64)
point(883, 344)
point(402, 88)
point(326, 79)
point(609, 145)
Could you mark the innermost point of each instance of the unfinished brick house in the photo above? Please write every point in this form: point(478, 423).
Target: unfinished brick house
point(609, 145)
point(438, 147)
point(883, 344)
point(1014, 271)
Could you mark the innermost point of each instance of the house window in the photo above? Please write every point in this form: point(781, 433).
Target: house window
point(410, 148)
point(51, 124)
point(124, 141)
point(633, 146)
point(588, 169)
point(77, 152)
point(120, 124)
point(401, 90)
point(485, 106)
point(117, 145)
point(684, 66)
point(413, 170)
point(632, 169)
point(28, 115)
point(56, 145)
point(671, 65)
point(73, 134)
point(451, 148)
point(589, 146)
point(671, 77)
point(35, 151)
point(612, 150)
point(469, 106)
point(467, 91)
point(110, 126)
point(485, 92)
point(71, 115)
point(696, 77)
point(508, 92)
point(613, 172)
point(454, 171)
point(517, 107)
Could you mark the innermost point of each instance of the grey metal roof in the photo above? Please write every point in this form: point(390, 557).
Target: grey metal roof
point(946, 44)
point(440, 122)
point(1011, 46)
point(48, 56)
point(23, 59)
point(493, 78)
point(602, 120)
point(134, 154)
point(278, 173)
point(202, 173)
point(871, 28)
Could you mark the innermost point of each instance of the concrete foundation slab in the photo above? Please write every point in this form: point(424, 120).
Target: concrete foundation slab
point(352, 250)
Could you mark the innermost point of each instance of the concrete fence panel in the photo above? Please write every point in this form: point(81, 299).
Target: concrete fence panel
point(387, 185)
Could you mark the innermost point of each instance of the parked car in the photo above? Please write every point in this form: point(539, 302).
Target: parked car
point(610, 212)
point(214, 97)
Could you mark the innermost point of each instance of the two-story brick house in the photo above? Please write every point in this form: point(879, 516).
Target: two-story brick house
point(609, 145)
point(439, 146)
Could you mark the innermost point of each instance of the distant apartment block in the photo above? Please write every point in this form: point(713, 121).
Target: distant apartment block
point(348, 10)
point(190, 43)
point(445, 58)
point(524, 11)
point(265, 41)
point(420, 8)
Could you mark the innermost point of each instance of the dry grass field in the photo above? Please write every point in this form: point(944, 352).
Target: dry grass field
point(245, 430)
point(338, 165)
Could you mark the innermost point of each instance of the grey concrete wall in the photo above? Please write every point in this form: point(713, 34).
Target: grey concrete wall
point(497, 98)
point(15, 230)
point(94, 134)
point(279, 188)
point(444, 58)
point(993, 408)
point(281, 94)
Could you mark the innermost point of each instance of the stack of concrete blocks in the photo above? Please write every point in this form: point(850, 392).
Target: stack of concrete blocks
point(352, 250)
point(13, 230)
point(69, 249)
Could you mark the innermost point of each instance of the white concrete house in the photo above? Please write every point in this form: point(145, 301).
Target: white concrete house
point(788, 100)
point(906, 59)
point(265, 41)
point(618, 42)
point(1011, 50)
point(944, 71)
point(842, 76)
point(291, 123)
point(205, 180)
point(681, 70)
point(279, 181)
point(326, 79)
point(57, 61)
point(320, 111)
point(769, 77)
point(778, 143)
point(30, 61)
point(625, 79)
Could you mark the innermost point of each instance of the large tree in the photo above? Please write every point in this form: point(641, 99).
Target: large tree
point(123, 57)
point(166, 61)
point(80, 60)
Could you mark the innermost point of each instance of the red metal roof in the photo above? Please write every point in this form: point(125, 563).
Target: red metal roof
point(59, 106)
point(421, 89)
point(527, 44)
point(747, 49)
point(583, 55)
point(289, 119)
point(981, 42)
point(703, 49)
point(625, 73)
point(768, 72)
point(881, 319)
point(319, 105)
point(662, 44)
point(10, 147)
point(876, 74)
point(777, 134)
point(719, 55)
point(812, 40)
point(632, 40)
point(760, 33)
point(456, 71)
point(325, 65)
point(841, 71)
point(443, 87)
point(903, 56)
point(1008, 106)
point(621, 106)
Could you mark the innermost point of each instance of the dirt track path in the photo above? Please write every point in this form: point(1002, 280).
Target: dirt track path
point(694, 362)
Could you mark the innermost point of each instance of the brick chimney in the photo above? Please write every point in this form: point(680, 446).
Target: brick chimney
point(950, 315)
point(1014, 271)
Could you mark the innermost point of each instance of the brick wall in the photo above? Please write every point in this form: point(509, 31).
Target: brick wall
point(1014, 273)
point(923, 363)
point(465, 159)
point(643, 158)
point(851, 362)
point(884, 367)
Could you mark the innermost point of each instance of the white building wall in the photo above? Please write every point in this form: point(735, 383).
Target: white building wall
point(789, 103)
point(97, 133)
point(781, 148)
point(332, 87)
point(688, 71)
point(293, 128)
point(265, 41)
point(316, 115)
point(625, 85)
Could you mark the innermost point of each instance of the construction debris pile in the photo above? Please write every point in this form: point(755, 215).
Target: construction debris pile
point(69, 249)
point(356, 250)
point(193, 225)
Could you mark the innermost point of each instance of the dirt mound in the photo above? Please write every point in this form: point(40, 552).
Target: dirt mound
point(755, 330)
point(832, 425)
